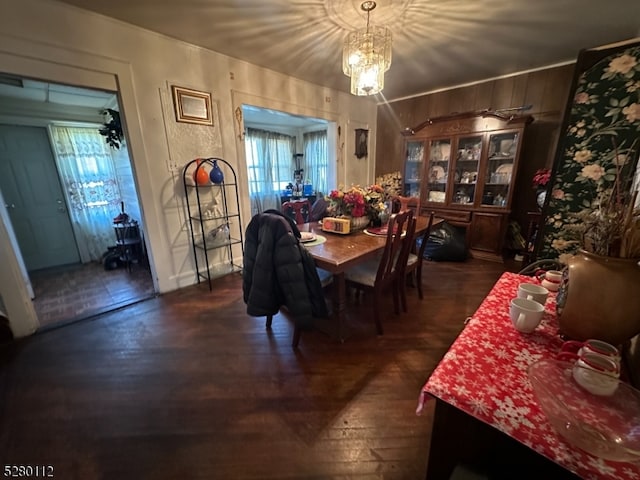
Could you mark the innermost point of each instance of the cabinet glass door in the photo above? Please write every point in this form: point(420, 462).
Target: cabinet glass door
point(438, 170)
point(501, 158)
point(413, 168)
point(469, 150)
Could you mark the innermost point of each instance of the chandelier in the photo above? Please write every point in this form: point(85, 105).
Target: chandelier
point(366, 55)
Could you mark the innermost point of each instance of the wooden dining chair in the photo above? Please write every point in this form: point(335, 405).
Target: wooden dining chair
point(402, 204)
point(298, 210)
point(380, 275)
point(413, 264)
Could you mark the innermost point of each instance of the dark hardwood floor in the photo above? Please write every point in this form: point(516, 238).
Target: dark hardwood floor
point(75, 292)
point(187, 386)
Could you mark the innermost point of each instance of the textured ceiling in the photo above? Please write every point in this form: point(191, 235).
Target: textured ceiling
point(437, 43)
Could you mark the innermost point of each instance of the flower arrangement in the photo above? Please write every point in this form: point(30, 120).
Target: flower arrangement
point(541, 178)
point(346, 202)
point(375, 198)
point(357, 201)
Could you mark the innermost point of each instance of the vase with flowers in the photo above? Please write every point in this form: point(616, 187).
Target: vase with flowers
point(540, 183)
point(362, 205)
point(376, 204)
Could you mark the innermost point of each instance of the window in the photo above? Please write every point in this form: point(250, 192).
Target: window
point(315, 160)
point(269, 166)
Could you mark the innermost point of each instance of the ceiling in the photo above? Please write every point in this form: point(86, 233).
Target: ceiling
point(437, 44)
point(12, 86)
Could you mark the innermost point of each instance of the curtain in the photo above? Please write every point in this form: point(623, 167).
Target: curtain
point(88, 176)
point(270, 167)
point(316, 160)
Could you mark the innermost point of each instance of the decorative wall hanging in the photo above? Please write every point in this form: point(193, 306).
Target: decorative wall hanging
point(238, 113)
point(596, 158)
point(362, 137)
point(192, 106)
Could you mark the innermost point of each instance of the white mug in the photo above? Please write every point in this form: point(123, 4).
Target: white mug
point(525, 314)
point(595, 373)
point(597, 347)
point(533, 292)
point(550, 279)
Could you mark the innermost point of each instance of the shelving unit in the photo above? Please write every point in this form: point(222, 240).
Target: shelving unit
point(413, 169)
point(128, 242)
point(467, 165)
point(213, 211)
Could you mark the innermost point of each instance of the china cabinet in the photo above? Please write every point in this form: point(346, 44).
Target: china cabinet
point(463, 167)
point(213, 214)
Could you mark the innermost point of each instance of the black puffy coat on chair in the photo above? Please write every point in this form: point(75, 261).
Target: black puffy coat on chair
point(278, 271)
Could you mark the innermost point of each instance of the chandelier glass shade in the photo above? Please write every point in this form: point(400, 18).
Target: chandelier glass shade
point(366, 55)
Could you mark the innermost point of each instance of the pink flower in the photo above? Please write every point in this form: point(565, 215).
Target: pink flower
point(581, 97)
point(541, 177)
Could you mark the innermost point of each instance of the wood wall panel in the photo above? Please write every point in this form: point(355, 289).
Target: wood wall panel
point(503, 94)
point(535, 90)
point(557, 88)
point(484, 94)
point(545, 90)
point(461, 98)
point(519, 90)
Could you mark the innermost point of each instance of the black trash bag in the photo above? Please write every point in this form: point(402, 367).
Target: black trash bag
point(446, 243)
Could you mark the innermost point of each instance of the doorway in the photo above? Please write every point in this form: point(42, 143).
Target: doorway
point(64, 288)
point(278, 159)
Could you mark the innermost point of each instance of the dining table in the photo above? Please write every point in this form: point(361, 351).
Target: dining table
point(337, 253)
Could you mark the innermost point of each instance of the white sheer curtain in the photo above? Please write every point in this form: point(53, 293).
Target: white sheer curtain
point(269, 164)
point(88, 177)
point(316, 160)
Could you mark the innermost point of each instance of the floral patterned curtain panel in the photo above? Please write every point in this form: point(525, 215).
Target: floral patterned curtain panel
point(88, 175)
point(600, 147)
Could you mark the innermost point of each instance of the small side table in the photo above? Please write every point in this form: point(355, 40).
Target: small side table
point(128, 242)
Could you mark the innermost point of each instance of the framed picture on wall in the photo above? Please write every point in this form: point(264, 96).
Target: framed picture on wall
point(192, 106)
point(362, 136)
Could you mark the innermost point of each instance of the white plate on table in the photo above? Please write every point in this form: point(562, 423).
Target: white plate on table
point(306, 237)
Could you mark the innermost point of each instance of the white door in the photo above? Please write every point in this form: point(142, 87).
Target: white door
point(34, 198)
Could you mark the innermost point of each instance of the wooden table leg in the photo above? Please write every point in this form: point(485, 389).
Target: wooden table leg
point(340, 302)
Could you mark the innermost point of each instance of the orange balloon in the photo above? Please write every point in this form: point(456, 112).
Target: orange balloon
point(200, 175)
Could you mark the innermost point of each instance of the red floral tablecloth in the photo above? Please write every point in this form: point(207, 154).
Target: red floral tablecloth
point(484, 374)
